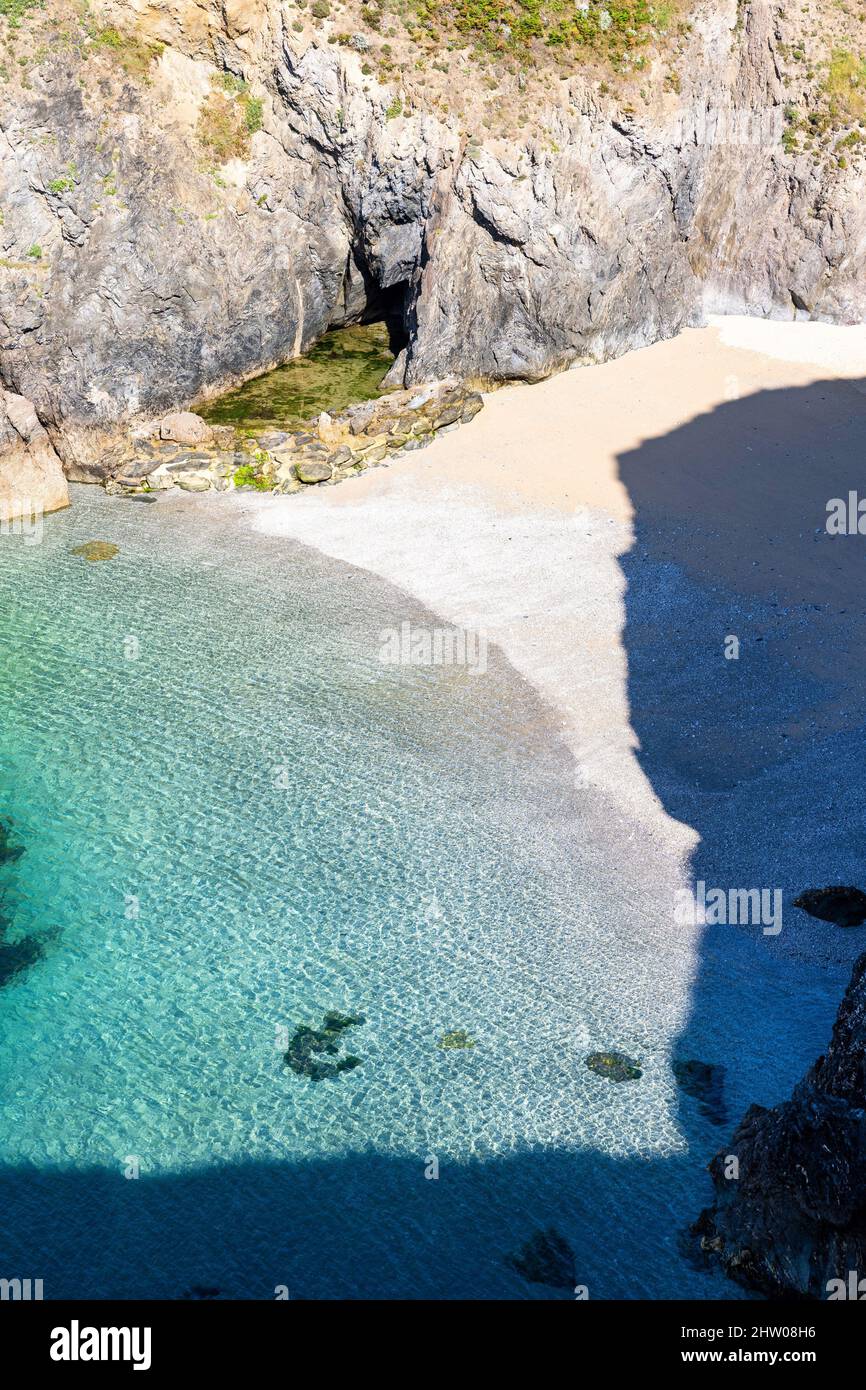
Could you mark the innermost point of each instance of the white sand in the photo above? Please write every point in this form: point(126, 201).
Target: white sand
point(514, 523)
point(836, 351)
point(520, 524)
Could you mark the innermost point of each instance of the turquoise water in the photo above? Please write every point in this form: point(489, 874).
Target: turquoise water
point(236, 819)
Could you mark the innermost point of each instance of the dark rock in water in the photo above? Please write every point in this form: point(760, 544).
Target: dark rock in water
point(789, 1216)
point(694, 1247)
point(310, 1045)
point(704, 1082)
point(18, 956)
point(334, 1022)
point(615, 1066)
point(546, 1258)
point(844, 906)
point(8, 853)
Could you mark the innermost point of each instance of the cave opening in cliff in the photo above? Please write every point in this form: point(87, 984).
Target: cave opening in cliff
point(365, 299)
point(388, 305)
point(394, 302)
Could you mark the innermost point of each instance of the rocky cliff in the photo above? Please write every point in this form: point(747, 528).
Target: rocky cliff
point(790, 1216)
point(31, 476)
point(192, 191)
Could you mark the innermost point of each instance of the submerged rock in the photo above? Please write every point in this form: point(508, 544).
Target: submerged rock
point(18, 956)
point(310, 1045)
point(456, 1039)
point(844, 906)
point(704, 1082)
point(615, 1066)
point(8, 852)
point(546, 1258)
point(93, 551)
point(790, 1211)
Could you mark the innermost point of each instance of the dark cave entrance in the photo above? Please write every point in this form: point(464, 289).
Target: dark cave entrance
point(363, 299)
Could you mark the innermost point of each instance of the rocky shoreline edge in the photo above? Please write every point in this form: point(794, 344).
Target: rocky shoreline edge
point(789, 1216)
point(182, 450)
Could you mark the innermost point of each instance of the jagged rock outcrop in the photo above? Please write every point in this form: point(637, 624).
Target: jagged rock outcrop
point(794, 1219)
point(165, 237)
point(31, 476)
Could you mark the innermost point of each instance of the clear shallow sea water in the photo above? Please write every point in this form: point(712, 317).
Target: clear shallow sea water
point(255, 821)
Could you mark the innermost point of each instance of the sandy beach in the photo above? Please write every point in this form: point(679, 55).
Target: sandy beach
point(609, 530)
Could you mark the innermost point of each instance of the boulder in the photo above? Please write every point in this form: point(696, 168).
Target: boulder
point(188, 463)
point(133, 470)
point(31, 474)
point(272, 440)
point(313, 471)
point(183, 427)
point(193, 482)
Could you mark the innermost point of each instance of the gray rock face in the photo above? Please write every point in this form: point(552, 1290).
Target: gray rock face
point(167, 272)
point(794, 1220)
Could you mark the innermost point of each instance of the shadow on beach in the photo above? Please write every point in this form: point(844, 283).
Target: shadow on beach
point(760, 753)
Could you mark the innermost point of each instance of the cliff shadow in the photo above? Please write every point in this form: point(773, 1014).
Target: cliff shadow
point(358, 1226)
point(745, 637)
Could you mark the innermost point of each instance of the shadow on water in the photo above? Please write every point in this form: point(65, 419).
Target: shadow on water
point(361, 1226)
point(762, 755)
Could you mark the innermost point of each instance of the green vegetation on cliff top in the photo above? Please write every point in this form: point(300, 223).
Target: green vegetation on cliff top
point(14, 10)
point(609, 30)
